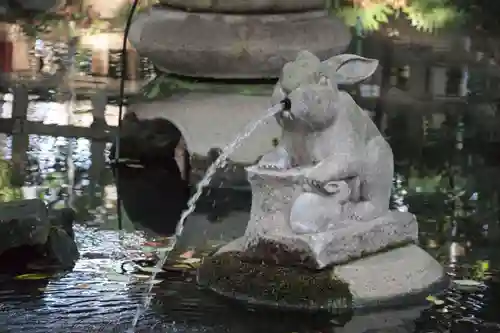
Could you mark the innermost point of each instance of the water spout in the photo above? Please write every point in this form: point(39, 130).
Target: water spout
point(219, 162)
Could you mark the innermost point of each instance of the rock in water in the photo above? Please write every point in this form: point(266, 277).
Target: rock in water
point(273, 286)
point(64, 218)
point(23, 223)
point(61, 248)
point(30, 234)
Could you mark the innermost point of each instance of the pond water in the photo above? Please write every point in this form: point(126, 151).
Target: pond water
point(455, 203)
point(447, 180)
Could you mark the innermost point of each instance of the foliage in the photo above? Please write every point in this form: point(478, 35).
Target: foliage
point(371, 17)
point(425, 15)
point(429, 15)
point(163, 86)
point(7, 192)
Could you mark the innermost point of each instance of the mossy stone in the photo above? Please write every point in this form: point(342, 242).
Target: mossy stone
point(231, 274)
point(165, 85)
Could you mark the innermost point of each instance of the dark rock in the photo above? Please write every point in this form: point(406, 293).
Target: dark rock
point(147, 142)
point(149, 180)
point(286, 287)
point(23, 223)
point(64, 219)
point(33, 237)
point(61, 248)
point(17, 260)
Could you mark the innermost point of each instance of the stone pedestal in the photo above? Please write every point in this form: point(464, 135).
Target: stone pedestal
point(274, 193)
point(377, 259)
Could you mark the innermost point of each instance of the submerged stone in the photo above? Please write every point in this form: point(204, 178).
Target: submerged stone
point(285, 287)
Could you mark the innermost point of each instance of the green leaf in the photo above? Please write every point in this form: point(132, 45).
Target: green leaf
point(371, 17)
point(430, 15)
point(33, 276)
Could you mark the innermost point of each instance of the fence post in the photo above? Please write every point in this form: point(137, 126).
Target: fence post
point(98, 166)
point(99, 102)
point(20, 139)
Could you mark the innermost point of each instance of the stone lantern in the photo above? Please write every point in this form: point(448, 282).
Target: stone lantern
point(220, 60)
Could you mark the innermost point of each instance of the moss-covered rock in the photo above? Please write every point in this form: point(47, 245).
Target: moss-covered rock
point(164, 86)
point(265, 284)
point(275, 253)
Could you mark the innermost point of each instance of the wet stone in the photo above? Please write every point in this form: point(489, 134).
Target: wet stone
point(64, 219)
point(23, 223)
point(33, 236)
point(231, 274)
point(61, 248)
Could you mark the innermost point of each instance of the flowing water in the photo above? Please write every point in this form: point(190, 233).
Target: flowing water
point(218, 163)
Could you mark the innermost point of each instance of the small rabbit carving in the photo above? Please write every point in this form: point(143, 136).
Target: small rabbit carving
point(329, 138)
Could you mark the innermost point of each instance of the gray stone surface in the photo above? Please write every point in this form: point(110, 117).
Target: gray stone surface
point(247, 6)
point(233, 46)
point(350, 240)
point(324, 190)
point(191, 113)
point(24, 222)
point(387, 276)
point(328, 136)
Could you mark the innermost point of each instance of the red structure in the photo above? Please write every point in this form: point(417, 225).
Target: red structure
point(6, 51)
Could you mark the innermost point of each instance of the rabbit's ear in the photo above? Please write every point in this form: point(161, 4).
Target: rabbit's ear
point(348, 68)
point(303, 70)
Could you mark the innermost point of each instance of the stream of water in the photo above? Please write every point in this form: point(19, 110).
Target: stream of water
point(219, 162)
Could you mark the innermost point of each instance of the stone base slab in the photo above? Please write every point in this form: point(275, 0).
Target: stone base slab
point(348, 241)
point(401, 277)
point(397, 277)
point(234, 46)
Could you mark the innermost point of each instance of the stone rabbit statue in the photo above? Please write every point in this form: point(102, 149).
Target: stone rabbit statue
point(330, 139)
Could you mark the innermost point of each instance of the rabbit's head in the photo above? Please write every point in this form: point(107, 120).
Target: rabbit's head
point(311, 86)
